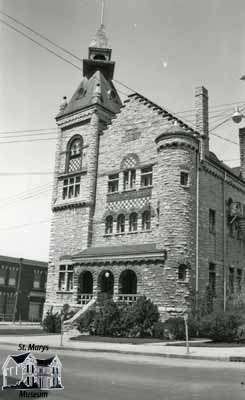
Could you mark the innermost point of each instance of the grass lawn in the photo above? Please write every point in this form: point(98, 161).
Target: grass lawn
point(22, 332)
point(106, 339)
point(208, 344)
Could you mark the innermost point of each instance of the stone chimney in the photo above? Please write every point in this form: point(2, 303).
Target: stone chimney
point(242, 151)
point(201, 106)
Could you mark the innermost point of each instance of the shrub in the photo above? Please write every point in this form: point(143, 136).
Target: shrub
point(221, 326)
point(159, 330)
point(52, 322)
point(113, 319)
point(104, 321)
point(85, 324)
point(175, 328)
point(107, 319)
point(141, 317)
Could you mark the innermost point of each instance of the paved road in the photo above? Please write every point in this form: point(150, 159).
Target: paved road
point(98, 376)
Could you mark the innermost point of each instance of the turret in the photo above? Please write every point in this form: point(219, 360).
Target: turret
point(177, 166)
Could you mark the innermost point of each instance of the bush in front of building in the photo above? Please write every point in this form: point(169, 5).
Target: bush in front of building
point(85, 324)
point(52, 322)
point(141, 317)
point(221, 326)
point(114, 319)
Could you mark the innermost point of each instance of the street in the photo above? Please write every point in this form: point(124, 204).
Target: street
point(92, 376)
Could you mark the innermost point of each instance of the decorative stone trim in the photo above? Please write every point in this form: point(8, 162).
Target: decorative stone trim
point(176, 143)
point(74, 119)
point(63, 175)
point(130, 194)
point(124, 261)
point(67, 206)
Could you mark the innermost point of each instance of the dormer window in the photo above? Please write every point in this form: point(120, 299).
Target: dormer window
point(74, 154)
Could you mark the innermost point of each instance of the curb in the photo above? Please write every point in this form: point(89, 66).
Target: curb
point(164, 355)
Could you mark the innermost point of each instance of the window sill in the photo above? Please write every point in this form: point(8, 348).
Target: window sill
point(129, 190)
point(120, 233)
point(64, 292)
point(109, 193)
point(185, 186)
point(73, 173)
point(182, 282)
point(132, 232)
point(145, 187)
point(108, 234)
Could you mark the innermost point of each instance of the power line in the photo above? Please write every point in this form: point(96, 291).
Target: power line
point(26, 194)
point(26, 173)
point(67, 61)
point(28, 130)
point(40, 35)
point(39, 44)
point(14, 227)
point(28, 135)
point(28, 141)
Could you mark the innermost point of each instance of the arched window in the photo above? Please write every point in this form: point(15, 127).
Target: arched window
point(128, 282)
point(121, 223)
point(109, 225)
point(146, 220)
point(133, 222)
point(74, 154)
point(182, 272)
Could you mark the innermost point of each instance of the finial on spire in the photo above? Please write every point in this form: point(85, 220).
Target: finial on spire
point(102, 12)
point(100, 40)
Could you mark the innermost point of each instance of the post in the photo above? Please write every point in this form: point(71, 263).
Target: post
point(61, 329)
point(186, 334)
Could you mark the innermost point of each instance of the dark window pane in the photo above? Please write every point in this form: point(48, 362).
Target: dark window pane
point(184, 178)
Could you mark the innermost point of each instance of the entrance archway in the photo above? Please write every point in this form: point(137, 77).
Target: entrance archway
point(106, 282)
point(128, 282)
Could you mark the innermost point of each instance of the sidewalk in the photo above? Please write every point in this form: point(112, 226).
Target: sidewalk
point(150, 349)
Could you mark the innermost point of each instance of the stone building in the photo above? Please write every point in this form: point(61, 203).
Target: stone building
point(140, 204)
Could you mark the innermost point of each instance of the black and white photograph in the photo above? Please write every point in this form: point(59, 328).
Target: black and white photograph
point(122, 201)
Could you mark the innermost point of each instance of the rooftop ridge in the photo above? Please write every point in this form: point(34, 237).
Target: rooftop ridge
point(165, 111)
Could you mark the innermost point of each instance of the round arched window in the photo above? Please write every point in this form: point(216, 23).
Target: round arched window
point(75, 155)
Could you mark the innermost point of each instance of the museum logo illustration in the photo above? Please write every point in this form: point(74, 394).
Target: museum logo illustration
point(26, 372)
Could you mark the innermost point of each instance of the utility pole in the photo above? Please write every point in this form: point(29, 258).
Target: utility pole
point(17, 289)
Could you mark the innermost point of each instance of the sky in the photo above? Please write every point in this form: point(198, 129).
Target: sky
point(162, 48)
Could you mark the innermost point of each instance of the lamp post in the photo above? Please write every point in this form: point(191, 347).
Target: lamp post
point(186, 333)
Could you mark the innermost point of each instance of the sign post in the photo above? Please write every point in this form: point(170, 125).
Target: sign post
point(186, 334)
point(61, 328)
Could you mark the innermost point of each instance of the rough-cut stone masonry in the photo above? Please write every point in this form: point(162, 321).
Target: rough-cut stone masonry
point(188, 182)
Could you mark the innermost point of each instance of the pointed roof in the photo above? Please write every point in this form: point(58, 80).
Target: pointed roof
point(100, 39)
point(44, 362)
point(95, 90)
point(19, 359)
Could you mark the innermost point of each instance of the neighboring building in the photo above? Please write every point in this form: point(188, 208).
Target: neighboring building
point(140, 204)
point(30, 372)
point(22, 288)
